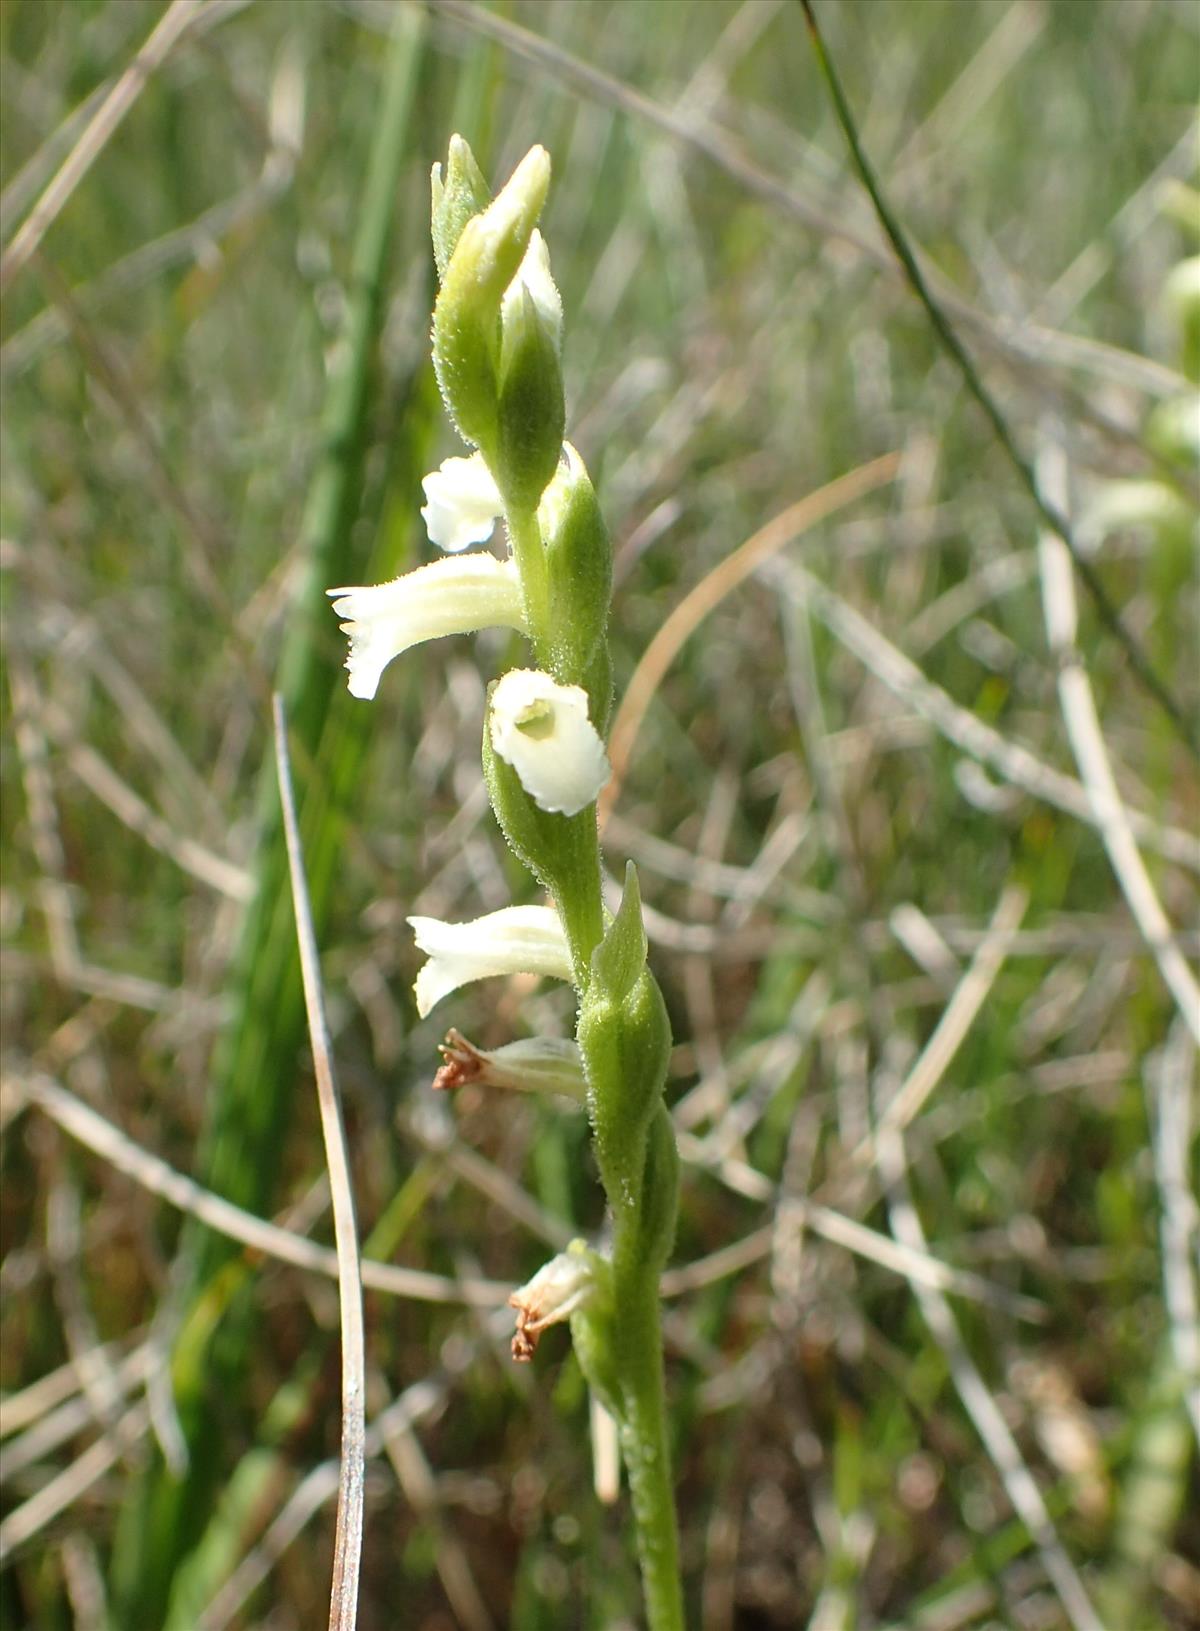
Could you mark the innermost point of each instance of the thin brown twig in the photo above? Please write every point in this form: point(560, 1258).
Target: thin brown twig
point(419, 1400)
point(66, 1487)
point(979, 1403)
point(731, 570)
point(1029, 346)
point(90, 1128)
point(964, 729)
point(1168, 1085)
point(178, 17)
point(1086, 737)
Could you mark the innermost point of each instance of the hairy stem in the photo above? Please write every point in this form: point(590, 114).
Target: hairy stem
point(643, 1433)
point(528, 552)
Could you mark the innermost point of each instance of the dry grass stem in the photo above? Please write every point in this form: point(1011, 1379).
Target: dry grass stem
point(343, 1609)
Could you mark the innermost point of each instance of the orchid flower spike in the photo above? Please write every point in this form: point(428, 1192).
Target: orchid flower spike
point(542, 729)
point(560, 1287)
point(514, 940)
point(462, 503)
point(447, 597)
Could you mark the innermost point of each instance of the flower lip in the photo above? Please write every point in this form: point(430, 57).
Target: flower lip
point(462, 503)
point(514, 940)
point(542, 729)
point(455, 596)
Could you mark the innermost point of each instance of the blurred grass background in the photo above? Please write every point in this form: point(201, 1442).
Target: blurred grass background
point(217, 402)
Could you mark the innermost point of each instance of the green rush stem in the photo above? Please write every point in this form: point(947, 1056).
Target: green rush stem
point(637, 1311)
point(1050, 515)
point(529, 553)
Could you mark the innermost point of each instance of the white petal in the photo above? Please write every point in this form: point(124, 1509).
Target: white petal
point(542, 729)
point(462, 503)
point(534, 274)
point(515, 940)
point(446, 597)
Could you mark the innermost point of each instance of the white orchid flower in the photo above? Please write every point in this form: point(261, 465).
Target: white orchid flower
point(534, 274)
point(515, 940)
point(560, 1287)
point(462, 503)
point(542, 729)
point(447, 597)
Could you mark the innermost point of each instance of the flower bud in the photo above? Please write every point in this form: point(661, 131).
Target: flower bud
point(533, 278)
point(579, 566)
point(543, 731)
point(532, 410)
point(464, 193)
point(486, 258)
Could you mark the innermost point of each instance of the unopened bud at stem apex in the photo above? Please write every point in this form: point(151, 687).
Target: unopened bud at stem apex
point(486, 258)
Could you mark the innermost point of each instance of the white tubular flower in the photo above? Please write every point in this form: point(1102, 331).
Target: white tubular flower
point(446, 597)
point(534, 274)
point(462, 503)
point(515, 940)
point(566, 1283)
point(542, 729)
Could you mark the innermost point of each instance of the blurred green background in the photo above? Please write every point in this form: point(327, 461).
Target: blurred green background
point(217, 403)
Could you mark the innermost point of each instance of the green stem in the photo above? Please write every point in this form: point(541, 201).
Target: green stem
point(581, 906)
point(643, 1431)
point(530, 555)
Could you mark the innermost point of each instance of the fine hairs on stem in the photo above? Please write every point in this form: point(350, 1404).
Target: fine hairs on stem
point(497, 335)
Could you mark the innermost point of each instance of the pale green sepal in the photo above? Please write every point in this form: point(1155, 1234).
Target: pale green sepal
point(532, 411)
point(462, 194)
point(579, 568)
point(625, 1046)
point(597, 681)
point(659, 1206)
